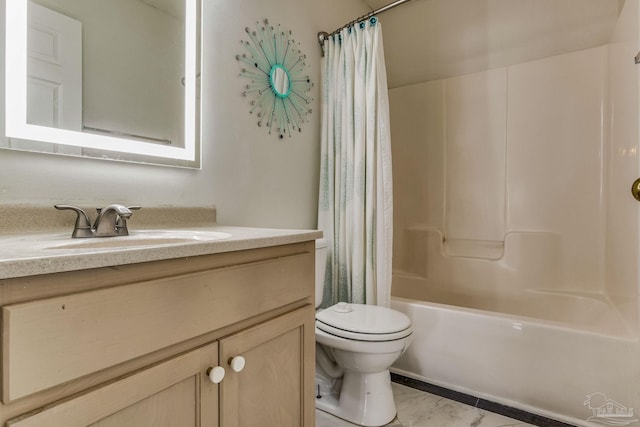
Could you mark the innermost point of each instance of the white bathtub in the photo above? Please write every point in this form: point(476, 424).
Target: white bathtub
point(542, 353)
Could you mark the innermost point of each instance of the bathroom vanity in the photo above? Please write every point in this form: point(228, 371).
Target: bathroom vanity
point(137, 335)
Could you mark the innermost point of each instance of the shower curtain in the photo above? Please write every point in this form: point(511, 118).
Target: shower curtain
point(355, 209)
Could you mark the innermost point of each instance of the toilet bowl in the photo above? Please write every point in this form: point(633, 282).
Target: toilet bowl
point(355, 346)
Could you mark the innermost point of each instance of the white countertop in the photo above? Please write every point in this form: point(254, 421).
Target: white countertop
point(29, 254)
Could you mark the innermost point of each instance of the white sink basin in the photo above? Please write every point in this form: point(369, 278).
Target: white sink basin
point(142, 238)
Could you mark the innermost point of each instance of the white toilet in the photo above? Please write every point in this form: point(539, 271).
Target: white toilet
point(355, 346)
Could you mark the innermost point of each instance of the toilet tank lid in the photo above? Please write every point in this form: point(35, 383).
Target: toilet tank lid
point(321, 243)
point(364, 319)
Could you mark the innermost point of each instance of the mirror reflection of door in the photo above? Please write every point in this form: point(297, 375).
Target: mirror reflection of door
point(54, 85)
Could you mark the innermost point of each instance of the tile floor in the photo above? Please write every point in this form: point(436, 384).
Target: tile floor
point(419, 409)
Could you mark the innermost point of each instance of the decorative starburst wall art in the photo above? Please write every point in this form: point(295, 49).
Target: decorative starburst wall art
point(280, 88)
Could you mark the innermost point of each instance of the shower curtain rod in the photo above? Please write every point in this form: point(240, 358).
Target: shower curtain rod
point(323, 35)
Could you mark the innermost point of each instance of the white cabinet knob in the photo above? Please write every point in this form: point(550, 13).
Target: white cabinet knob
point(237, 363)
point(216, 374)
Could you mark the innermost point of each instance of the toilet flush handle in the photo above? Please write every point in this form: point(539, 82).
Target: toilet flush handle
point(216, 374)
point(237, 363)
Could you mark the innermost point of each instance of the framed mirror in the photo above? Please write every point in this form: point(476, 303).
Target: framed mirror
point(117, 79)
point(280, 81)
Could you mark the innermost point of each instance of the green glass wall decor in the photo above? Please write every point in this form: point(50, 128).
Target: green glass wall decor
point(279, 87)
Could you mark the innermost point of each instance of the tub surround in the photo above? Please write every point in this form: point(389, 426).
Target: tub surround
point(515, 233)
point(484, 140)
point(521, 283)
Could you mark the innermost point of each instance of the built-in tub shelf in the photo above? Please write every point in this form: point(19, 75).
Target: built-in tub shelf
point(536, 255)
point(465, 248)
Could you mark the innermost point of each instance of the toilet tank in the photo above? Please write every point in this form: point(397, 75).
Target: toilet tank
point(321, 266)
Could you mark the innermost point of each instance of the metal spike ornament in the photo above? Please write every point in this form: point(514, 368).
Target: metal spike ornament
point(279, 87)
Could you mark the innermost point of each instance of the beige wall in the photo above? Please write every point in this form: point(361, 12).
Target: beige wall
point(252, 178)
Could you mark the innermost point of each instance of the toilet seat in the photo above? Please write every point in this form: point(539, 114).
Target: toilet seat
point(362, 337)
point(364, 322)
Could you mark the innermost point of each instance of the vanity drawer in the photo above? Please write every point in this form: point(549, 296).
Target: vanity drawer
point(55, 340)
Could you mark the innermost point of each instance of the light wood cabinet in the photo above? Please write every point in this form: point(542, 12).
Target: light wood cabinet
point(132, 346)
point(170, 394)
point(271, 389)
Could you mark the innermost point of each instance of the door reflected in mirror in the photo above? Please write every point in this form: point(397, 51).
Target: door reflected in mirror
point(116, 79)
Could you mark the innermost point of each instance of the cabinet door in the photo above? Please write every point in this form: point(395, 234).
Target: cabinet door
point(276, 385)
point(174, 393)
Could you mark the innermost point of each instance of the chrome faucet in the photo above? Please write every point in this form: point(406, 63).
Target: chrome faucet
point(105, 224)
point(111, 221)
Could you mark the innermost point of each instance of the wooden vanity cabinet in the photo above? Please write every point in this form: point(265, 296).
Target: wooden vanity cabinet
point(271, 390)
point(133, 348)
point(172, 393)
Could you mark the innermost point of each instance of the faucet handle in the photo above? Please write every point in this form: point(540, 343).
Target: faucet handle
point(131, 208)
point(121, 222)
point(82, 227)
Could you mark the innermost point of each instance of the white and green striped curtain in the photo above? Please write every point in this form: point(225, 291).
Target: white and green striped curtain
point(355, 209)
